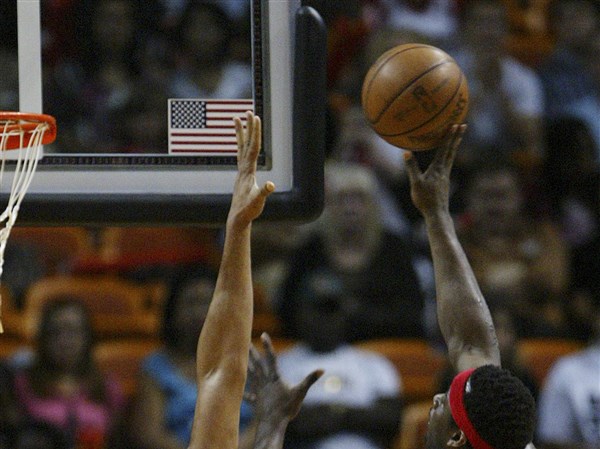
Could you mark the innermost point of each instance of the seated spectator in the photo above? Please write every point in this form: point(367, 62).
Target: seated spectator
point(569, 403)
point(565, 77)
point(356, 142)
point(521, 261)
point(163, 409)
point(140, 124)
point(587, 107)
point(356, 403)
point(434, 20)
point(62, 385)
point(84, 90)
point(205, 69)
point(584, 291)
point(377, 265)
point(505, 96)
point(572, 179)
point(273, 248)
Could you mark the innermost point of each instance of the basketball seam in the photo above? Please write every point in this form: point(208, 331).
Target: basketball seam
point(462, 77)
point(406, 86)
point(381, 65)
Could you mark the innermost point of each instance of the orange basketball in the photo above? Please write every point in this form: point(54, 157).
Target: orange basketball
point(412, 94)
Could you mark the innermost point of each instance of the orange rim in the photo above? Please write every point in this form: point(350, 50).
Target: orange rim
point(27, 122)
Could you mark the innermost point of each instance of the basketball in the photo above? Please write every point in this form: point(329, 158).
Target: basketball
point(412, 94)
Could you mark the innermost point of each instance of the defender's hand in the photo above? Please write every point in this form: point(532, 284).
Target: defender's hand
point(273, 399)
point(248, 198)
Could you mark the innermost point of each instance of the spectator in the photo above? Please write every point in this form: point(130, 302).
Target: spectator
point(587, 107)
point(357, 143)
point(351, 405)
point(505, 96)
point(83, 91)
point(163, 409)
point(519, 259)
point(571, 177)
point(564, 75)
point(434, 20)
point(569, 405)
point(202, 41)
point(585, 289)
point(140, 125)
point(62, 385)
point(376, 265)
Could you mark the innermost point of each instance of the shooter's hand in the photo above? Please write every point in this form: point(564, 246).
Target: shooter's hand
point(430, 189)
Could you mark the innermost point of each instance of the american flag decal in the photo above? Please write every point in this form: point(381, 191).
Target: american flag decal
point(205, 127)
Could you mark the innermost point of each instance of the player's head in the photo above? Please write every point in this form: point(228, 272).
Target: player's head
point(485, 408)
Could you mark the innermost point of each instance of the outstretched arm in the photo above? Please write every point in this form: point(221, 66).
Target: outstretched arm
point(223, 346)
point(275, 402)
point(463, 314)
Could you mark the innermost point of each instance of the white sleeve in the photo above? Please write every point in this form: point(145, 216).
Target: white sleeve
point(523, 87)
point(385, 376)
point(555, 407)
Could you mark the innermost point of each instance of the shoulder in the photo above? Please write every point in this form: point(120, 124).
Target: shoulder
point(377, 363)
point(570, 365)
point(519, 74)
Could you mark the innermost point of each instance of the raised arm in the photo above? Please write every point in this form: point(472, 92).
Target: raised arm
point(224, 343)
point(463, 315)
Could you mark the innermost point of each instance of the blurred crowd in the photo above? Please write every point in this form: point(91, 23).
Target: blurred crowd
point(526, 201)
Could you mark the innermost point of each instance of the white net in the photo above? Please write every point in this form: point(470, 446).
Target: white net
point(29, 142)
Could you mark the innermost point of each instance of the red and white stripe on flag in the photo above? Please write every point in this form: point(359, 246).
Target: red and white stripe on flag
point(205, 126)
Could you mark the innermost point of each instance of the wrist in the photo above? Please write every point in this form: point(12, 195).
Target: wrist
point(437, 216)
point(237, 225)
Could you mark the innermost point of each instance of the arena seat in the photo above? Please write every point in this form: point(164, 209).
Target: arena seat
point(416, 361)
point(119, 308)
point(59, 247)
point(539, 354)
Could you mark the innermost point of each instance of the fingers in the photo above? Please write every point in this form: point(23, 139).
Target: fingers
point(256, 141)
point(270, 358)
point(254, 359)
point(454, 143)
point(267, 189)
point(303, 387)
point(412, 167)
point(444, 157)
point(239, 134)
point(250, 135)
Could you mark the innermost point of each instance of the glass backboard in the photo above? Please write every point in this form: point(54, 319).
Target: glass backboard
point(144, 98)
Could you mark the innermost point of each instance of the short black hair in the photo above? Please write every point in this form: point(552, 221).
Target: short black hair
point(501, 408)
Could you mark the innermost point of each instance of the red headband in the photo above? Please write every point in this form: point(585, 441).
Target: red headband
point(459, 413)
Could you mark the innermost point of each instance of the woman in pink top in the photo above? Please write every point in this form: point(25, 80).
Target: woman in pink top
point(63, 386)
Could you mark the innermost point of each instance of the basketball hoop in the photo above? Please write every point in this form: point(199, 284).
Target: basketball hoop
point(27, 133)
